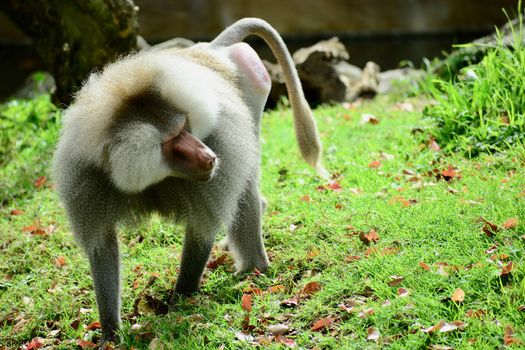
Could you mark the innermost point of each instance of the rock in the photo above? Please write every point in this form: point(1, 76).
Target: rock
point(387, 78)
point(368, 84)
point(316, 66)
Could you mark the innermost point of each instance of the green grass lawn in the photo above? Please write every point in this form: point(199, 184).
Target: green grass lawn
point(429, 212)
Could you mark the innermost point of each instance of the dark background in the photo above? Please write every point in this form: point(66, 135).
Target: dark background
point(384, 31)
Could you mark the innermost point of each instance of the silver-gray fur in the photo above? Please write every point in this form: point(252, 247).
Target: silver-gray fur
point(108, 166)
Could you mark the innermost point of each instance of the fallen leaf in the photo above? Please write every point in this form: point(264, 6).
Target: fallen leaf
point(246, 302)
point(219, 261)
point(440, 347)
point(312, 253)
point(334, 186)
point(352, 258)
point(395, 280)
point(371, 250)
point(402, 292)
point(60, 261)
point(500, 257)
point(458, 296)
point(509, 338)
point(311, 287)
point(374, 164)
point(243, 336)
point(16, 212)
point(263, 340)
point(41, 181)
point(433, 145)
point(276, 289)
point(506, 270)
point(434, 328)
point(346, 308)
point(489, 228)
point(492, 249)
point(373, 334)
point(292, 302)
point(36, 343)
point(278, 329)
point(305, 198)
point(369, 118)
point(286, 341)
point(390, 251)
point(370, 237)
point(510, 223)
point(450, 173)
point(366, 312)
point(93, 325)
point(475, 314)
point(452, 326)
point(321, 324)
point(86, 344)
point(29, 229)
point(252, 290)
point(75, 324)
point(424, 266)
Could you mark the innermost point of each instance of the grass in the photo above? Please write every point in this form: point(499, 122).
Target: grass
point(483, 109)
point(312, 235)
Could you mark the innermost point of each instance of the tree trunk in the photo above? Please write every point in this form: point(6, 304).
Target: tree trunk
point(74, 37)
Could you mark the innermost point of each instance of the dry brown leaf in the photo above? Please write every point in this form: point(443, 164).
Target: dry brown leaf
point(36, 343)
point(16, 212)
point(374, 164)
point(292, 302)
point(450, 173)
point(334, 186)
point(424, 266)
point(373, 334)
point(390, 251)
point(433, 145)
point(322, 324)
point(509, 338)
point(305, 198)
point(366, 312)
point(312, 253)
point(458, 296)
point(369, 118)
point(60, 261)
point(93, 325)
point(41, 181)
point(370, 237)
point(311, 287)
point(489, 228)
point(510, 223)
point(286, 341)
point(86, 344)
point(352, 258)
point(279, 288)
point(395, 280)
point(475, 313)
point(252, 290)
point(403, 292)
point(246, 302)
point(507, 269)
point(219, 261)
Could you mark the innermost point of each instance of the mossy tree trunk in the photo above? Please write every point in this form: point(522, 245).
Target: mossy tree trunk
point(73, 37)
